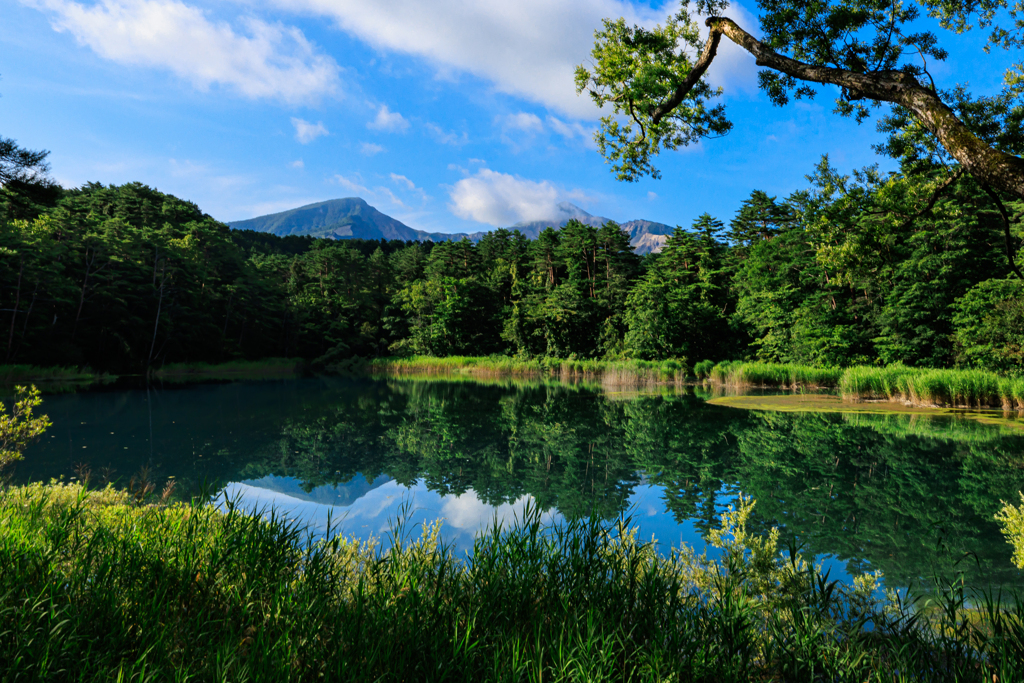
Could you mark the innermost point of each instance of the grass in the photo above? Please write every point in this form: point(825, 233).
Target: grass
point(928, 387)
point(781, 375)
point(101, 585)
point(933, 387)
point(13, 374)
point(236, 369)
point(611, 373)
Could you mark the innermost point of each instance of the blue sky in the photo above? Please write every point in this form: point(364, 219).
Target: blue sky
point(450, 115)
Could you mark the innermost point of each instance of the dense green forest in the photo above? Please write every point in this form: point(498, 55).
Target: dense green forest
point(917, 268)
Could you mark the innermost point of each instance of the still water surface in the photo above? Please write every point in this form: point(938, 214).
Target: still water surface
point(909, 495)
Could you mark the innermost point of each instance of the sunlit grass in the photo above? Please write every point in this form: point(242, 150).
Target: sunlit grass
point(611, 373)
point(781, 375)
point(928, 386)
point(106, 586)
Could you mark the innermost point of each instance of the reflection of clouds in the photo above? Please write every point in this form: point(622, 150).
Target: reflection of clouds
point(377, 511)
point(464, 516)
point(469, 513)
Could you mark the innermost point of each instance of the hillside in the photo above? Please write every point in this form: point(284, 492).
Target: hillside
point(346, 218)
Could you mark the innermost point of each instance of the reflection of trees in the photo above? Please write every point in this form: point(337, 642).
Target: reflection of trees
point(880, 491)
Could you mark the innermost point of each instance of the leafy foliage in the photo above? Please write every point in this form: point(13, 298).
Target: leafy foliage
point(18, 428)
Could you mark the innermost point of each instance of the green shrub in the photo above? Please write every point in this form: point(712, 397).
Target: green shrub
point(19, 428)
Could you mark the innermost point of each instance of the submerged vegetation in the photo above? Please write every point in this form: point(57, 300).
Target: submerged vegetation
point(97, 586)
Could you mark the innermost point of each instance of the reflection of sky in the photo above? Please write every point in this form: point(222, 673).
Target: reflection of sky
point(381, 504)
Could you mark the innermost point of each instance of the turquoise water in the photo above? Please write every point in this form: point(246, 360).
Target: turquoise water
point(909, 495)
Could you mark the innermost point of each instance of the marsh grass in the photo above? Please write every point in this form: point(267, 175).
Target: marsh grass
point(237, 369)
point(947, 388)
point(95, 585)
point(966, 388)
point(13, 374)
point(613, 374)
point(780, 375)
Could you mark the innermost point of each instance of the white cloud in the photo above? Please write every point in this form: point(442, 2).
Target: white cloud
point(527, 48)
point(519, 130)
point(501, 199)
point(306, 132)
point(523, 121)
point(571, 129)
point(651, 196)
point(402, 180)
point(410, 186)
point(266, 61)
point(388, 120)
point(446, 137)
point(351, 184)
point(369, 149)
point(297, 164)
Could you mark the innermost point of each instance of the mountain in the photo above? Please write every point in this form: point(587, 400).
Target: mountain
point(353, 218)
point(339, 219)
point(328, 494)
point(645, 236)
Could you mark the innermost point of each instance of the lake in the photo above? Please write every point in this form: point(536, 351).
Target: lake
point(910, 495)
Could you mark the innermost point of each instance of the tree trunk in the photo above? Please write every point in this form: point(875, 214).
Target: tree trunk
point(17, 302)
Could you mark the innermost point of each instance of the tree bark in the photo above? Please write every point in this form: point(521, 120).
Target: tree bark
point(990, 166)
point(17, 303)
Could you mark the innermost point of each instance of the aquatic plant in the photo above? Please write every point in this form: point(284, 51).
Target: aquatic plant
point(611, 373)
point(964, 388)
point(781, 375)
point(236, 369)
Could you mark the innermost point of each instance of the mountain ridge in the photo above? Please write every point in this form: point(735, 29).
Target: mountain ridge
point(354, 218)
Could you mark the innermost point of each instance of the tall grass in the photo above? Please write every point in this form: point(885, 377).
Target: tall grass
point(611, 373)
point(781, 375)
point(12, 374)
point(236, 369)
point(95, 587)
point(933, 387)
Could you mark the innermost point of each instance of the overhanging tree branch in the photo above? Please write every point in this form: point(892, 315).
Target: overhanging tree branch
point(988, 165)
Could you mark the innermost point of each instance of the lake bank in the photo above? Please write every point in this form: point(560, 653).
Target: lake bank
point(175, 590)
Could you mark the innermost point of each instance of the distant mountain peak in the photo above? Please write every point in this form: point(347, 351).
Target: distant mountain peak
point(353, 217)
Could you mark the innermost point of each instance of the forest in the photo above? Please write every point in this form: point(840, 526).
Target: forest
point(908, 267)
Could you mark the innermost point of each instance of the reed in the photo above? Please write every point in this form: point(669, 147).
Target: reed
point(96, 585)
point(966, 388)
point(13, 374)
point(236, 369)
point(778, 375)
point(611, 373)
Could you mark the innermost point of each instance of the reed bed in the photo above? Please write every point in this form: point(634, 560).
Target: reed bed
point(611, 373)
point(236, 369)
point(966, 388)
point(100, 586)
point(780, 375)
point(12, 374)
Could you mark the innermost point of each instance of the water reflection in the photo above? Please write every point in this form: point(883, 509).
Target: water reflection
point(905, 494)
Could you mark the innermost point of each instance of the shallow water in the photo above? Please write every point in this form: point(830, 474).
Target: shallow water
point(907, 494)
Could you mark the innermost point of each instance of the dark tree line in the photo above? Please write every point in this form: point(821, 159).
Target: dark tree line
point(912, 267)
